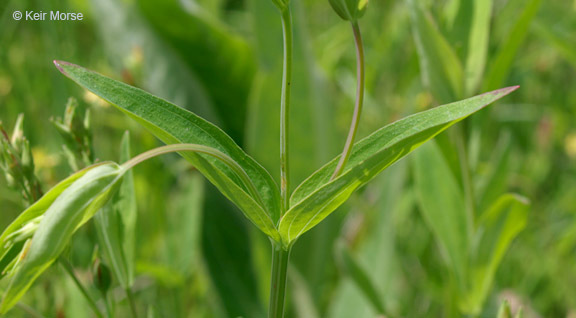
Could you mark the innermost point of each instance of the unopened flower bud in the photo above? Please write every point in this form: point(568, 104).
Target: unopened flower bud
point(75, 130)
point(350, 10)
point(281, 4)
point(102, 277)
point(17, 162)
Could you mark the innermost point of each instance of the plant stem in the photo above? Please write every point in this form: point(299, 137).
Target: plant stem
point(360, 75)
point(280, 256)
point(233, 165)
point(278, 281)
point(70, 271)
point(108, 305)
point(285, 108)
point(131, 301)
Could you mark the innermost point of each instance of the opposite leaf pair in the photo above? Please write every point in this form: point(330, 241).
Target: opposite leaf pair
point(239, 177)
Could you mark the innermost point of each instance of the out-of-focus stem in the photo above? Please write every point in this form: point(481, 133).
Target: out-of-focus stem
point(233, 165)
point(131, 302)
point(70, 271)
point(359, 101)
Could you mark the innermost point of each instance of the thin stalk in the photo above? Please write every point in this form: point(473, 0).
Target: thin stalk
point(131, 302)
point(360, 75)
point(285, 108)
point(280, 259)
point(29, 310)
point(109, 310)
point(70, 271)
point(236, 168)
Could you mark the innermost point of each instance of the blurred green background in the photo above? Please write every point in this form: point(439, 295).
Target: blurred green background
point(197, 256)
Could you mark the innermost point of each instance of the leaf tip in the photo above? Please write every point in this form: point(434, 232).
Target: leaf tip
point(62, 65)
point(522, 199)
point(58, 65)
point(506, 90)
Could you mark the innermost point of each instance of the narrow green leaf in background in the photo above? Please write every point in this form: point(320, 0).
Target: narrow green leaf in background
point(496, 229)
point(478, 41)
point(441, 69)
point(442, 204)
point(495, 181)
point(317, 196)
point(360, 276)
point(73, 207)
point(115, 225)
point(501, 64)
point(558, 37)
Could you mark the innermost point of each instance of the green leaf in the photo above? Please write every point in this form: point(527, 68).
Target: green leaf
point(443, 207)
point(173, 124)
point(556, 34)
point(478, 40)
point(469, 34)
point(36, 210)
point(227, 75)
point(73, 207)
point(440, 67)
point(495, 181)
point(160, 70)
point(505, 311)
point(318, 196)
point(360, 276)
point(185, 209)
point(115, 225)
point(501, 65)
point(229, 258)
point(497, 227)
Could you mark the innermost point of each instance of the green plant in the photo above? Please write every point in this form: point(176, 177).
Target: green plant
point(283, 216)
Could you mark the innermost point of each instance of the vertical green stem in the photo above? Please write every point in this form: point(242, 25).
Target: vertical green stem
point(360, 74)
point(285, 108)
point(131, 302)
point(278, 281)
point(280, 256)
point(109, 310)
point(70, 271)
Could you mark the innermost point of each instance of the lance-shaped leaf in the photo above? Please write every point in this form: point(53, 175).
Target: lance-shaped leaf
point(72, 207)
point(115, 225)
point(16, 231)
point(443, 207)
point(441, 69)
point(497, 228)
point(173, 124)
point(318, 196)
